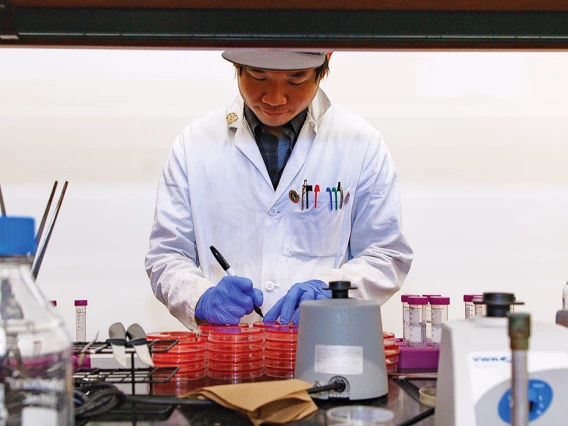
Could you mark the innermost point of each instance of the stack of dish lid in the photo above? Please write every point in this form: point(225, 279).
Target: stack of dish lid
point(189, 353)
point(204, 328)
point(235, 353)
point(279, 348)
point(392, 350)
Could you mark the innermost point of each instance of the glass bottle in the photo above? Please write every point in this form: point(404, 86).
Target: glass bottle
point(35, 349)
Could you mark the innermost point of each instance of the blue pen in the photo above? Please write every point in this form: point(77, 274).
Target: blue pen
point(225, 265)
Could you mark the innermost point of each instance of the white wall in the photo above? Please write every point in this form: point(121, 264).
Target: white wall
point(479, 140)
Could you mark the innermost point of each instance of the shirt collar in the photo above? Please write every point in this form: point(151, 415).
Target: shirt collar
point(293, 126)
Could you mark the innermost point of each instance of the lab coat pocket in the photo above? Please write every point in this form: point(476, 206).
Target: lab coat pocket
point(314, 232)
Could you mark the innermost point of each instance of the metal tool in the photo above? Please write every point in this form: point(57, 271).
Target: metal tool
point(519, 333)
point(85, 350)
point(2, 206)
point(137, 339)
point(42, 245)
point(39, 233)
point(117, 339)
point(225, 265)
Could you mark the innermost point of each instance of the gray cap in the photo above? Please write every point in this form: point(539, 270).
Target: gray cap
point(284, 60)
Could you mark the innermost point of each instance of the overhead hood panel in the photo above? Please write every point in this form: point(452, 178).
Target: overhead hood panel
point(358, 24)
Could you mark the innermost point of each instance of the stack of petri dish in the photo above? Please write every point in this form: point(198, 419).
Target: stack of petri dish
point(189, 354)
point(280, 350)
point(204, 328)
point(392, 350)
point(235, 353)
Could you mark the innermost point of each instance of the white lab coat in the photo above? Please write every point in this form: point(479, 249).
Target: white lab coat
point(215, 190)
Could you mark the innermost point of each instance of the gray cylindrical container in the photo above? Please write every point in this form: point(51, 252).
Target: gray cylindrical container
point(341, 339)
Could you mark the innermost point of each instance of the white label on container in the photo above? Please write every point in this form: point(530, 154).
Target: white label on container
point(333, 359)
point(34, 416)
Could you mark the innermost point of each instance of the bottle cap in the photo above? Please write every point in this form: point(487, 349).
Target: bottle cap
point(17, 236)
point(431, 295)
point(438, 300)
point(417, 300)
point(404, 297)
point(80, 303)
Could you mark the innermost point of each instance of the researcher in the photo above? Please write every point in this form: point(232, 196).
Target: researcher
point(293, 190)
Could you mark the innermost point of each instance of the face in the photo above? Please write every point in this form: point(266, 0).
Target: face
point(277, 96)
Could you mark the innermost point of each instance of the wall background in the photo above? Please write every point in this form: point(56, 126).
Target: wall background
point(478, 138)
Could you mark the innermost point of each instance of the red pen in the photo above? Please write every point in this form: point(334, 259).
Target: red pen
point(316, 190)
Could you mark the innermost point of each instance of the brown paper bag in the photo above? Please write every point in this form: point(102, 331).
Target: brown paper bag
point(279, 401)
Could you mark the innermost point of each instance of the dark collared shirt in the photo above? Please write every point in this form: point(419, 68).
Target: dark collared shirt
point(275, 150)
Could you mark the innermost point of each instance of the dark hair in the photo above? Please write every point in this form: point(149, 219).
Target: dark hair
point(321, 71)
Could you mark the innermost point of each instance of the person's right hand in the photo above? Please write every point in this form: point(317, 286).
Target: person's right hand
point(230, 300)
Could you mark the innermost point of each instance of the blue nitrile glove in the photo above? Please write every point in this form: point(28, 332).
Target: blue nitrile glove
point(227, 302)
point(288, 308)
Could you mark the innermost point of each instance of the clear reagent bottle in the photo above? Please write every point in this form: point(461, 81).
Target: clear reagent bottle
point(36, 378)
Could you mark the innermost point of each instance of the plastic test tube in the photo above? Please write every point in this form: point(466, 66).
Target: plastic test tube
point(80, 320)
point(480, 308)
point(428, 319)
point(417, 321)
point(405, 319)
point(469, 306)
point(439, 307)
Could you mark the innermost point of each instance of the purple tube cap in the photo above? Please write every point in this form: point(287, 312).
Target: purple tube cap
point(80, 303)
point(438, 300)
point(404, 297)
point(417, 300)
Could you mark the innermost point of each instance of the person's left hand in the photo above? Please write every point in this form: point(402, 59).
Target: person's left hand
point(288, 308)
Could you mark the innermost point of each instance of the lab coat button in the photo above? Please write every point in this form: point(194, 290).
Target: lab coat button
point(272, 212)
point(269, 286)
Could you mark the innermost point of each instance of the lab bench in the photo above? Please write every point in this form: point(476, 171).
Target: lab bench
point(402, 399)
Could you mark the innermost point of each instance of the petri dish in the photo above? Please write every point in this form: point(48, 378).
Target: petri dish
point(235, 335)
point(277, 354)
point(359, 415)
point(235, 366)
point(235, 356)
point(428, 395)
point(286, 364)
point(235, 347)
point(280, 345)
point(234, 376)
point(279, 373)
point(167, 358)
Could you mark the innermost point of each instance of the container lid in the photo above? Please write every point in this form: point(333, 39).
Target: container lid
point(470, 297)
point(417, 300)
point(17, 236)
point(431, 295)
point(81, 302)
point(359, 415)
point(439, 300)
point(404, 297)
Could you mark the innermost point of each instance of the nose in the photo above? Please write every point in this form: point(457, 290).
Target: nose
point(275, 95)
